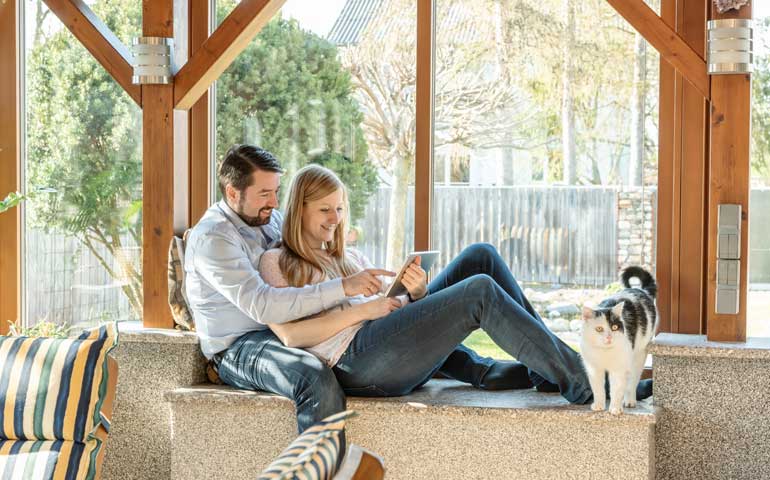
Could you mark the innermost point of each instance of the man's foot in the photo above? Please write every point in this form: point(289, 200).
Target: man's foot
point(506, 375)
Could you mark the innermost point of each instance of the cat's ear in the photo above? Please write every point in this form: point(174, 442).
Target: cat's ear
point(617, 310)
point(588, 313)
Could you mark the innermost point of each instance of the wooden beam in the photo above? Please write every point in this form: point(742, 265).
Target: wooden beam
point(99, 40)
point(671, 46)
point(221, 48)
point(729, 182)
point(10, 163)
point(693, 158)
point(157, 175)
point(423, 182)
point(200, 141)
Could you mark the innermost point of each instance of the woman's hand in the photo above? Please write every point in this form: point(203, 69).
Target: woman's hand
point(365, 282)
point(378, 308)
point(415, 280)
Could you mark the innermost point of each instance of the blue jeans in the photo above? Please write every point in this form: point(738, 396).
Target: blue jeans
point(397, 353)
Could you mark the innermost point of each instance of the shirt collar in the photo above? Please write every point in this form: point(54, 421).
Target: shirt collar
point(232, 216)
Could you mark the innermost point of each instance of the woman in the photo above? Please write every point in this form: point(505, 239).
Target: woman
point(382, 346)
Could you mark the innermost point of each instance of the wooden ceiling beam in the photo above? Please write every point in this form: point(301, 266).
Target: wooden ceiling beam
point(221, 48)
point(672, 48)
point(99, 40)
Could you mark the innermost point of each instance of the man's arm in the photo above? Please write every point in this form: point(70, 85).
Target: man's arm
point(222, 263)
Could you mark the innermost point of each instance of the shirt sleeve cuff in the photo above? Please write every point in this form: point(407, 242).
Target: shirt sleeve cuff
point(332, 293)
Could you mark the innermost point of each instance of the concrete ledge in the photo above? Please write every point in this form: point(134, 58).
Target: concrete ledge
point(678, 345)
point(150, 362)
point(712, 397)
point(444, 430)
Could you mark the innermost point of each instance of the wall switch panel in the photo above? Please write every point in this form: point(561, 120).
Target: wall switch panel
point(728, 259)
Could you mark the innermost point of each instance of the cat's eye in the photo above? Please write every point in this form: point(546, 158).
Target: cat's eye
point(615, 327)
point(600, 329)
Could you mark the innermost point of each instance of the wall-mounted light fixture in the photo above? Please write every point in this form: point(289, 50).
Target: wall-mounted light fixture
point(152, 60)
point(730, 46)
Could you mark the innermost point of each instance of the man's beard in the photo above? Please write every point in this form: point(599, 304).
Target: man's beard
point(254, 221)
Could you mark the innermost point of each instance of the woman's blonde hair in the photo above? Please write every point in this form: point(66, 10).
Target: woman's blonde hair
point(298, 261)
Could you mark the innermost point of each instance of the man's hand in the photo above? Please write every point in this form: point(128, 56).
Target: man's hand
point(365, 282)
point(416, 280)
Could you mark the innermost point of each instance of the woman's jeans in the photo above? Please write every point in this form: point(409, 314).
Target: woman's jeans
point(397, 353)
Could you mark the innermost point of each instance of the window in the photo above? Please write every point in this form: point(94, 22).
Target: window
point(82, 135)
point(758, 308)
point(546, 147)
point(333, 83)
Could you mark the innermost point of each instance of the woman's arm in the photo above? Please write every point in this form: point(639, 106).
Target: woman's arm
point(313, 330)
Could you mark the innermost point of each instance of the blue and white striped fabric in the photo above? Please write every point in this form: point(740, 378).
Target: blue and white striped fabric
point(51, 393)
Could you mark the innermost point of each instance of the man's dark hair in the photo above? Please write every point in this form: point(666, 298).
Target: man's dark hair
point(240, 162)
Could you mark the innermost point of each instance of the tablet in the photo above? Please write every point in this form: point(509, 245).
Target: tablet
point(427, 259)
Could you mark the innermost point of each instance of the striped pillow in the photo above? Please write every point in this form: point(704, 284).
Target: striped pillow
point(51, 388)
point(46, 459)
point(313, 455)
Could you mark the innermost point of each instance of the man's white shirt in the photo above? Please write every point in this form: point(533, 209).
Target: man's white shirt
point(226, 294)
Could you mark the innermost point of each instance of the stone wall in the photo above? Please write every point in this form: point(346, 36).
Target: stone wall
point(636, 226)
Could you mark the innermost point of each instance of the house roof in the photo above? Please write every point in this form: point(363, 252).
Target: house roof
point(353, 19)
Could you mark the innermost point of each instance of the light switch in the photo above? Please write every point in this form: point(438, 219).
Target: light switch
point(728, 259)
point(727, 300)
point(729, 232)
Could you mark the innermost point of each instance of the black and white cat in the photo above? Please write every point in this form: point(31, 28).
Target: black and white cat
point(615, 338)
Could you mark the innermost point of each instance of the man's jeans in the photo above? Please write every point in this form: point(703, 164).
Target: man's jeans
point(397, 353)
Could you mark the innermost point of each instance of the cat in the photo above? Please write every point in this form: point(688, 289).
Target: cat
point(615, 338)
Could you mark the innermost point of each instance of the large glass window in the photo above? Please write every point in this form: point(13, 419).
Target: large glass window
point(546, 147)
point(82, 228)
point(333, 83)
point(758, 309)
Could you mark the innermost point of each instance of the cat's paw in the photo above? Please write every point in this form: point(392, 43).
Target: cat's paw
point(596, 407)
point(615, 409)
point(629, 403)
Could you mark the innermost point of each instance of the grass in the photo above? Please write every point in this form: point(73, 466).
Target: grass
point(484, 346)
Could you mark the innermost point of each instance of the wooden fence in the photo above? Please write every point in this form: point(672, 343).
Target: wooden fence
point(553, 235)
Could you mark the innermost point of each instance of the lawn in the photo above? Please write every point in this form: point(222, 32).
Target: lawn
point(484, 346)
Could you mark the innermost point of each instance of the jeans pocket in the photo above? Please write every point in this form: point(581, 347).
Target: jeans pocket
point(368, 391)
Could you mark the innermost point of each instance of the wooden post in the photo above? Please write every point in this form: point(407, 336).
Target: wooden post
point(10, 163)
point(729, 178)
point(423, 181)
point(157, 175)
point(682, 170)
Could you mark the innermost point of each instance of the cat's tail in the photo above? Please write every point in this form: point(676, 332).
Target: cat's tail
point(648, 282)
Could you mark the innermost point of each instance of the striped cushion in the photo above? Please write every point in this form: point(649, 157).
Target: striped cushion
point(44, 460)
point(313, 455)
point(53, 389)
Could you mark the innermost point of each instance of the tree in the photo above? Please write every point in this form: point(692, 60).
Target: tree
point(760, 114)
point(288, 93)
point(83, 142)
point(476, 104)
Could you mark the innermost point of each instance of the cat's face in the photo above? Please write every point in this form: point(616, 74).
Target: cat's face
point(603, 328)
